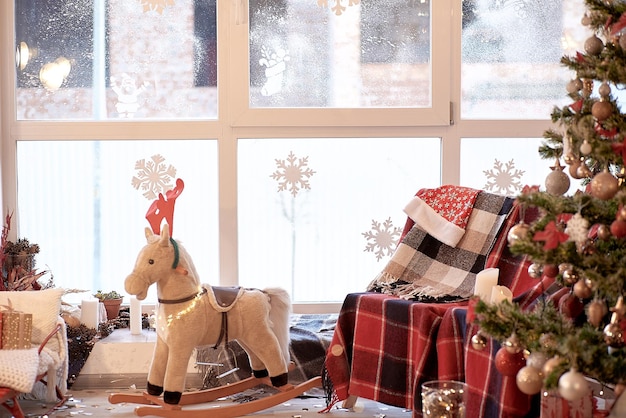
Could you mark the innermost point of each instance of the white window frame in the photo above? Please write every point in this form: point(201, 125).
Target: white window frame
point(236, 120)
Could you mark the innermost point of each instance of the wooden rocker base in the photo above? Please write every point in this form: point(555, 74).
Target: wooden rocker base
point(156, 407)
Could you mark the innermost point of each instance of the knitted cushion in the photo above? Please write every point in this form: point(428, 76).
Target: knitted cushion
point(45, 305)
point(18, 369)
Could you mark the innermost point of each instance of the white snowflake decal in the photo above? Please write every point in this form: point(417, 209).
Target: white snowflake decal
point(153, 177)
point(503, 178)
point(292, 174)
point(382, 238)
point(338, 8)
point(156, 5)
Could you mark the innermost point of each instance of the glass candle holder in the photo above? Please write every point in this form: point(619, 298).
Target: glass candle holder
point(443, 399)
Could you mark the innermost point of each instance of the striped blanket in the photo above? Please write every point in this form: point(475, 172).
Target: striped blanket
point(425, 269)
point(309, 335)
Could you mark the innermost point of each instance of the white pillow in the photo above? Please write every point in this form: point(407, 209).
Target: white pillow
point(45, 305)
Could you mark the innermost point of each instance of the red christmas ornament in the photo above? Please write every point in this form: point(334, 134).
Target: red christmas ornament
point(550, 270)
point(571, 306)
point(507, 363)
point(618, 228)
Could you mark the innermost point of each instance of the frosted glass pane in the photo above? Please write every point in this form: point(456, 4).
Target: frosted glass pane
point(77, 201)
point(503, 165)
point(117, 59)
point(310, 208)
point(348, 54)
point(511, 53)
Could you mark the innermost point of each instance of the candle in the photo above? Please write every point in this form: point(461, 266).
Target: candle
point(500, 293)
point(485, 281)
point(89, 313)
point(135, 315)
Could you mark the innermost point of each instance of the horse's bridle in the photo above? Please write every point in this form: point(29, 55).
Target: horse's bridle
point(174, 266)
point(224, 329)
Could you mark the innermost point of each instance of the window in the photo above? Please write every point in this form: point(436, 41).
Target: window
point(299, 129)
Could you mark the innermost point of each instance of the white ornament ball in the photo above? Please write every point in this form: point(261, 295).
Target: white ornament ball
point(537, 359)
point(585, 148)
point(573, 385)
point(557, 183)
point(529, 380)
point(622, 41)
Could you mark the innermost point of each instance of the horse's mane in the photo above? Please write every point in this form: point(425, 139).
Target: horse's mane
point(185, 259)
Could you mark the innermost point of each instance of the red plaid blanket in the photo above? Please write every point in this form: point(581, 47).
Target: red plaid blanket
point(385, 347)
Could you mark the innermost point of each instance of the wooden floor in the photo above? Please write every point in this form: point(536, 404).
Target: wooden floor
point(94, 403)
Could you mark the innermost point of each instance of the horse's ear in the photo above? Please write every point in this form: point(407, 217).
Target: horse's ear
point(148, 233)
point(165, 235)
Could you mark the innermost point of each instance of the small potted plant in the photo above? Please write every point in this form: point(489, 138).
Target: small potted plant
point(112, 301)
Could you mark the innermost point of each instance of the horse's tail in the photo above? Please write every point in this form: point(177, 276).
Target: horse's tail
point(280, 303)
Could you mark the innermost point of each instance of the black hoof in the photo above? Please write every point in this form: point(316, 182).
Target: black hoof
point(260, 373)
point(280, 380)
point(172, 398)
point(154, 390)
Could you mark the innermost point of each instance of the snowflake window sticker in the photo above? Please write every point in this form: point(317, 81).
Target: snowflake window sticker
point(382, 238)
point(156, 5)
point(503, 178)
point(292, 174)
point(153, 176)
point(338, 8)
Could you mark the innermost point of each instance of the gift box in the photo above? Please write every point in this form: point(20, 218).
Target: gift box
point(554, 406)
point(17, 329)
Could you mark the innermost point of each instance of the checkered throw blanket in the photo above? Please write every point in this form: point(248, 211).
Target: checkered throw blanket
point(309, 336)
point(425, 269)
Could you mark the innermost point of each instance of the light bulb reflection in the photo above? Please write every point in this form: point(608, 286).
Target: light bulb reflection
point(53, 74)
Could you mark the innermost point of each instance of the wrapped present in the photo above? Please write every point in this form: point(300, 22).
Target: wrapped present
point(17, 329)
point(554, 406)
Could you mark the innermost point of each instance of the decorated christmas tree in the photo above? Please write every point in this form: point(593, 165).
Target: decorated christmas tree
point(578, 240)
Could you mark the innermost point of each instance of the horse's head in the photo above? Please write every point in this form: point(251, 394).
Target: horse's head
point(158, 260)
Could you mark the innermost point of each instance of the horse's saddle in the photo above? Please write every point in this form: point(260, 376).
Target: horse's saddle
point(226, 296)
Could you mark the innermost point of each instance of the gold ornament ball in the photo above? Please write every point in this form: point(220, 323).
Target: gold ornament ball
point(479, 342)
point(583, 171)
point(596, 310)
point(529, 380)
point(621, 214)
point(535, 270)
point(582, 290)
point(602, 110)
point(604, 232)
point(573, 169)
point(517, 232)
point(550, 365)
point(569, 276)
point(594, 45)
point(604, 185)
point(557, 183)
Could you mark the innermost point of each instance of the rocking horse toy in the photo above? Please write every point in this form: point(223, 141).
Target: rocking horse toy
point(191, 314)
